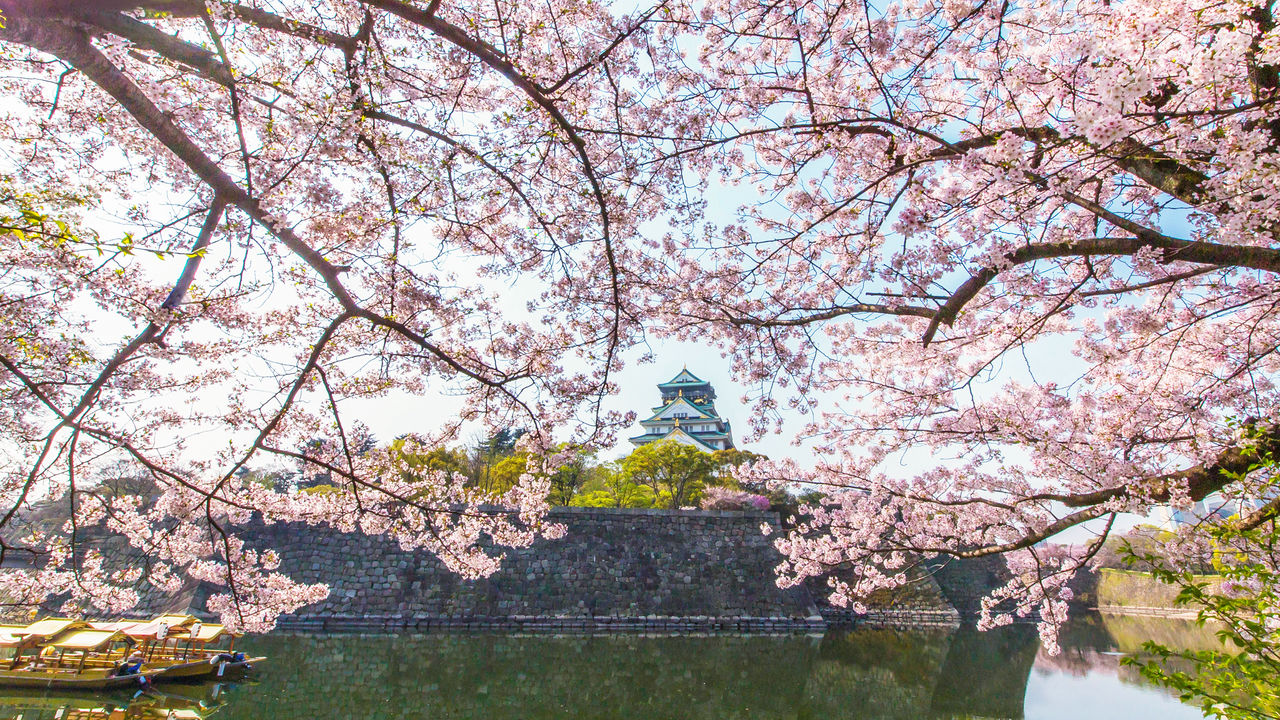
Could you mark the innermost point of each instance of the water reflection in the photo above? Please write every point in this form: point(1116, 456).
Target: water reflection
point(171, 702)
point(869, 674)
point(503, 676)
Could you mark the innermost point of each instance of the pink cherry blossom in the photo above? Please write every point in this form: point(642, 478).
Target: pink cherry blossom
point(1008, 266)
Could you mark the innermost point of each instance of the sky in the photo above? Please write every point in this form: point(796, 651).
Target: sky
point(391, 416)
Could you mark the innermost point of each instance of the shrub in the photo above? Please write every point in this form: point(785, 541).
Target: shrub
point(721, 498)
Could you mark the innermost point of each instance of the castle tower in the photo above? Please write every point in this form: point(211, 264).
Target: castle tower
point(687, 415)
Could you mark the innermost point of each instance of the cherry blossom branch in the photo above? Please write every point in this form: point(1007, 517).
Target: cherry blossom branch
point(814, 315)
point(1174, 278)
point(143, 35)
point(194, 257)
point(95, 66)
point(1260, 515)
point(1175, 250)
point(289, 26)
point(599, 57)
point(491, 57)
point(506, 178)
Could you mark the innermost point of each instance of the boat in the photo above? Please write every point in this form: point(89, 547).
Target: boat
point(66, 654)
point(75, 654)
point(179, 646)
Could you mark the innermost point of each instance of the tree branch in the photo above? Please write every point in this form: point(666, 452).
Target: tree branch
point(1175, 250)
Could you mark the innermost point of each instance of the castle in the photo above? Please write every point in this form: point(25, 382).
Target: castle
point(687, 415)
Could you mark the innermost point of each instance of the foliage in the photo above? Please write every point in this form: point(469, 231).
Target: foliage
point(447, 460)
point(1244, 609)
point(274, 480)
point(1142, 539)
point(495, 463)
point(675, 472)
point(570, 477)
point(722, 498)
point(729, 462)
point(1034, 244)
point(501, 443)
point(611, 486)
point(632, 496)
point(1241, 604)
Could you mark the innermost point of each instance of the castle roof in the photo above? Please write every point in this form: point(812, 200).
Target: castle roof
point(678, 435)
point(683, 379)
point(701, 410)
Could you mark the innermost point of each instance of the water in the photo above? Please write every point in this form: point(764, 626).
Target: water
point(865, 674)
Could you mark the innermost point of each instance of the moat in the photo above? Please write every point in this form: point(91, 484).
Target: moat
point(862, 673)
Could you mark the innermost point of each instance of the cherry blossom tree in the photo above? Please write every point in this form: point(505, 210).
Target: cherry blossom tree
point(1033, 245)
point(286, 206)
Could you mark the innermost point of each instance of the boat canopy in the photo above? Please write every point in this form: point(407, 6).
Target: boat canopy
point(52, 627)
point(209, 632)
point(121, 625)
point(88, 640)
point(12, 635)
point(178, 627)
point(150, 630)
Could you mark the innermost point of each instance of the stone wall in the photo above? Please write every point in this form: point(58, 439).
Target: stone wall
point(965, 582)
point(1131, 592)
point(662, 570)
point(919, 603)
point(613, 569)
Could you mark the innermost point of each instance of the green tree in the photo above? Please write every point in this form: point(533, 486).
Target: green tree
point(728, 462)
point(611, 486)
point(489, 453)
point(1242, 603)
point(446, 459)
point(675, 472)
point(506, 472)
point(571, 477)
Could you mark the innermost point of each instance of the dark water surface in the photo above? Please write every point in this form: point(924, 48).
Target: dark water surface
point(853, 674)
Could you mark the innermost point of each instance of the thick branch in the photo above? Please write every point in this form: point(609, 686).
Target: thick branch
point(1152, 166)
point(58, 39)
point(832, 313)
point(1200, 480)
point(194, 257)
point(1269, 511)
point(1026, 541)
point(269, 21)
point(1161, 171)
point(143, 35)
point(1174, 249)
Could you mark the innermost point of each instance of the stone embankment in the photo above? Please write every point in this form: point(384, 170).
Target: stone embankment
point(1126, 592)
point(614, 570)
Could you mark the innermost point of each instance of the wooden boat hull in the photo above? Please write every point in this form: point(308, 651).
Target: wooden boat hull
point(92, 680)
point(203, 669)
